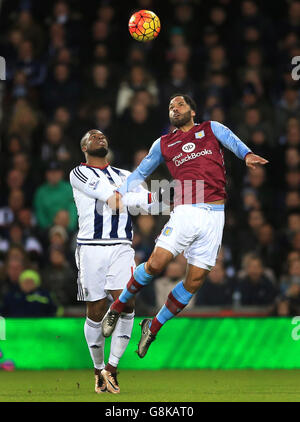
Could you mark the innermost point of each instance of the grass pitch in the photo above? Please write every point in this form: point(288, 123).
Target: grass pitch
point(153, 386)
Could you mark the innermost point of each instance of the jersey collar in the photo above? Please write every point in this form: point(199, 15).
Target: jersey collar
point(95, 167)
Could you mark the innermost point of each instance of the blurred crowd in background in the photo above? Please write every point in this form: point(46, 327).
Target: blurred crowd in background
point(72, 66)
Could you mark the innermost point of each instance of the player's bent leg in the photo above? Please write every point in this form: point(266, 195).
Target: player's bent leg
point(177, 300)
point(158, 260)
point(142, 276)
point(95, 340)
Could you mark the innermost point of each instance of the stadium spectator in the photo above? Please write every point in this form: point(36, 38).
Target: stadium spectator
point(252, 123)
point(56, 147)
point(10, 274)
point(69, 19)
point(173, 274)
point(268, 247)
point(247, 237)
point(217, 61)
point(61, 89)
point(16, 180)
point(219, 20)
point(287, 107)
point(31, 300)
point(138, 79)
point(64, 118)
point(288, 303)
point(177, 81)
point(100, 90)
point(183, 18)
point(30, 30)
point(140, 130)
point(150, 299)
point(217, 290)
point(256, 288)
point(31, 244)
point(57, 40)
point(58, 237)
point(29, 64)
point(59, 278)
point(54, 195)
point(24, 122)
point(258, 182)
point(144, 236)
point(15, 203)
point(104, 121)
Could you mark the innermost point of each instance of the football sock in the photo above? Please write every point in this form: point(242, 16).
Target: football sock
point(120, 338)
point(139, 279)
point(178, 298)
point(95, 341)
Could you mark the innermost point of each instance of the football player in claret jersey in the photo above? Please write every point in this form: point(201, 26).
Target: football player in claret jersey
point(104, 256)
point(193, 154)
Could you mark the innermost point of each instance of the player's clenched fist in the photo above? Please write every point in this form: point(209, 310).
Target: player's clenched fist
point(253, 160)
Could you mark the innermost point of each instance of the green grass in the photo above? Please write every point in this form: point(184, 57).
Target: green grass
point(153, 386)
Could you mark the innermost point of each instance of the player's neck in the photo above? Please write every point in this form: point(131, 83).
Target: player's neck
point(187, 127)
point(96, 161)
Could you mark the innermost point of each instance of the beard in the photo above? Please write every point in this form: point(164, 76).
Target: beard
point(99, 152)
point(182, 120)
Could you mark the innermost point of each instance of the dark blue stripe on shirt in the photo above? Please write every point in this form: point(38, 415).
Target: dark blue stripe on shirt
point(128, 228)
point(98, 223)
point(78, 176)
point(105, 171)
point(94, 171)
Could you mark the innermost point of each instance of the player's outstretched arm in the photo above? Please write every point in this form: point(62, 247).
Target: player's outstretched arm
point(146, 167)
point(232, 142)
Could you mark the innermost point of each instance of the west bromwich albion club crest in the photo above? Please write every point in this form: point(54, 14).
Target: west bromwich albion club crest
point(199, 135)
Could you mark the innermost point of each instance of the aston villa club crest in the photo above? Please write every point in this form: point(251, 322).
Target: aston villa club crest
point(199, 135)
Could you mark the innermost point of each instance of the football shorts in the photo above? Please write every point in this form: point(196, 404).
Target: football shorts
point(102, 268)
point(197, 231)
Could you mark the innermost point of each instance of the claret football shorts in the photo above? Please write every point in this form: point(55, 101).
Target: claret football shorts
point(197, 231)
point(102, 268)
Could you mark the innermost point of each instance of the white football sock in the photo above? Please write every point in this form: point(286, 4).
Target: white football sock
point(120, 338)
point(95, 341)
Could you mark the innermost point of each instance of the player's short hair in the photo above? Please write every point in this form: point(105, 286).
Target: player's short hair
point(189, 100)
point(84, 139)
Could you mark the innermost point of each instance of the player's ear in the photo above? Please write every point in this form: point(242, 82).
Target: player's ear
point(193, 113)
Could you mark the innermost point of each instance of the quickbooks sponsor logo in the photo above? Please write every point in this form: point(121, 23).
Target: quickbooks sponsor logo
point(192, 156)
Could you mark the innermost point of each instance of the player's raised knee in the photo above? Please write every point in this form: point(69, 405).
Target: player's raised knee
point(155, 266)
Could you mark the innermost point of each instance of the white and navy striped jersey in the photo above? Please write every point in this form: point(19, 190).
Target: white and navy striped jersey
point(92, 186)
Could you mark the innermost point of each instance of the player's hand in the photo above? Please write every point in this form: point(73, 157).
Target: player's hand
point(115, 202)
point(253, 161)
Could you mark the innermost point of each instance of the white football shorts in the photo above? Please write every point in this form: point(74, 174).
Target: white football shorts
point(102, 268)
point(197, 231)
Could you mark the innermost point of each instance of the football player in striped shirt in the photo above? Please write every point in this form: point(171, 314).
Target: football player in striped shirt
point(104, 256)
